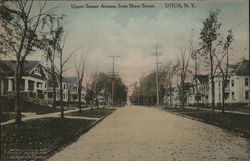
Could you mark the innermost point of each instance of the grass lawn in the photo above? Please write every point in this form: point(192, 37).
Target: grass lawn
point(34, 137)
point(7, 105)
point(228, 120)
point(95, 112)
point(7, 116)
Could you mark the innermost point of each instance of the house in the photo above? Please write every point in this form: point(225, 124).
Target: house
point(237, 87)
point(50, 84)
point(73, 91)
point(172, 96)
point(200, 92)
point(33, 83)
point(36, 83)
point(104, 98)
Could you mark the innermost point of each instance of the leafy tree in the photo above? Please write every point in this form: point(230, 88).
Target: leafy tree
point(103, 81)
point(147, 85)
point(209, 34)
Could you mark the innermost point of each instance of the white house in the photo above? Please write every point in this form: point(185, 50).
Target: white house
point(237, 88)
point(172, 96)
point(199, 93)
point(73, 91)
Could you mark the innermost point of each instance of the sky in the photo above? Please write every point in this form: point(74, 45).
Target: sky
point(133, 33)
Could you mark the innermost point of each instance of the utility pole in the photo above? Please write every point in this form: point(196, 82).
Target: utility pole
point(156, 54)
point(113, 73)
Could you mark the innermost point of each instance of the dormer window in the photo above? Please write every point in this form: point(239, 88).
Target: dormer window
point(37, 72)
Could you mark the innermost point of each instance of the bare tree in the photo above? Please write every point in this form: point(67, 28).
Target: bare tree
point(224, 68)
point(62, 62)
point(209, 35)
point(169, 79)
point(23, 33)
point(54, 38)
point(80, 73)
point(181, 70)
point(195, 57)
point(163, 76)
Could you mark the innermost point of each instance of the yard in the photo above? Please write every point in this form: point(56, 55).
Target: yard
point(7, 116)
point(39, 138)
point(238, 122)
point(7, 108)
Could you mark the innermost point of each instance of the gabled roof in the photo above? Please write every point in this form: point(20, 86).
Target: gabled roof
point(187, 85)
point(70, 79)
point(202, 78)
point(242, 69)
point(8, 66)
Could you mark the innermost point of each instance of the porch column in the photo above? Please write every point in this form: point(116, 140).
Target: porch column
point(1, 86)
point(10, 85)
point(26, 85)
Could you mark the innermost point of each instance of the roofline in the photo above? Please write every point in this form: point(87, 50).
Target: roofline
point(34, 66)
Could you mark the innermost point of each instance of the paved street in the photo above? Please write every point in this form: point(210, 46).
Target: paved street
point(147, 134)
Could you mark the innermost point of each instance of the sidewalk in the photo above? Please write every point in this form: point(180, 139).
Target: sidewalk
point(31, 116)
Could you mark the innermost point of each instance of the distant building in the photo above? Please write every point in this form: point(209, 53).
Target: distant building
point(73, 91)
point(172, 96)
point(104, 98)
point(199, 93)
point(49, 87)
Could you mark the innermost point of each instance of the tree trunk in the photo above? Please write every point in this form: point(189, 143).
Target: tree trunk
point(197, 94)
point(79, 96)
point(223, 96)
point(182, 94)
point(68, 98)
point(17, 95)
point(61, 89)
point(54, 86)
point(212, 77)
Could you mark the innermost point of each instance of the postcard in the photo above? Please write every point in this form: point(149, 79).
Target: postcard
point(128, 80)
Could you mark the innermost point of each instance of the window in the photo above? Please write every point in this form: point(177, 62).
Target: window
point(232, 83)
point(246, 95)
point(37, 71)
point(74, 97)
point(226, 95)
point(246, 81)
point(233, 97)
point(50, 94)
point(227, 84)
